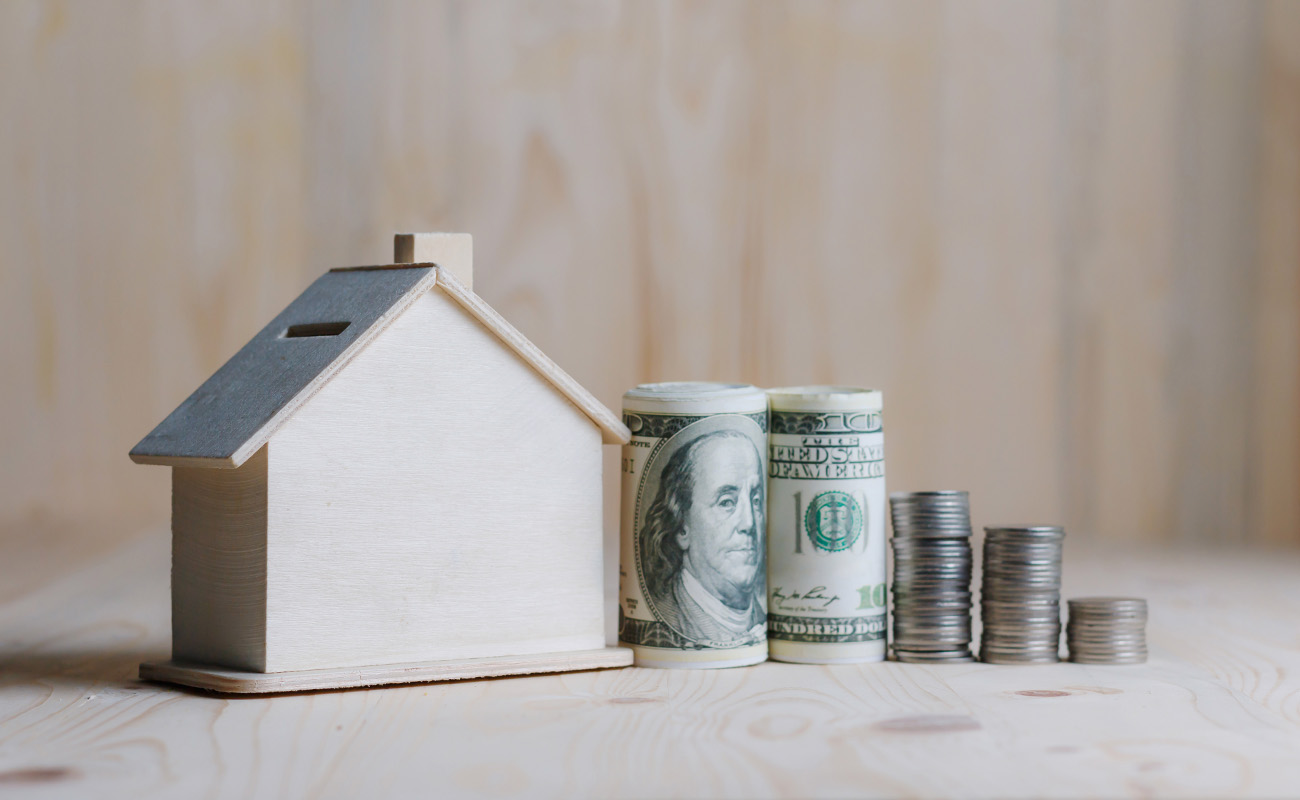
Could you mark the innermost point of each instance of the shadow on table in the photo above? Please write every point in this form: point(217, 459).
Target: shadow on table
point(87, 668)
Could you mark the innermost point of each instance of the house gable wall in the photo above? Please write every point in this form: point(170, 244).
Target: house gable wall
point(436, 499)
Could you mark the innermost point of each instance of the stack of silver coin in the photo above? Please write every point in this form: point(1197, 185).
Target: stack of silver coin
point(1020, 599)
point(1107, 630)
point(932, 571)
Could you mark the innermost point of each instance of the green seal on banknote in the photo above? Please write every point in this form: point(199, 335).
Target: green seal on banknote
point(833, 521)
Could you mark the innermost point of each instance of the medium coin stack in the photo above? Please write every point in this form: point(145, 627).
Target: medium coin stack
point(932, 571)
point(1107, 630)
point(1020, 599)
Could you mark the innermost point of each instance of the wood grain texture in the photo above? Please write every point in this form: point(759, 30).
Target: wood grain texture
point(1215, 713)
point(439, 499)
point(1061, 237)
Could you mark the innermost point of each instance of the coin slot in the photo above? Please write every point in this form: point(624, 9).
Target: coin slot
point(309, 330)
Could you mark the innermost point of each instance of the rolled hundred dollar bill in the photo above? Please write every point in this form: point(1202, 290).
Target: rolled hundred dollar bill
point(693, 572)
point(826, 525)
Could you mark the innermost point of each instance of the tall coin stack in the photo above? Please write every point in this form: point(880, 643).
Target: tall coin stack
point(1021, 596)
point(932, 572)
point(1107, 630)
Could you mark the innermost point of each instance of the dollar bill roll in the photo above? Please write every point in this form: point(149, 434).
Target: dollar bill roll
point(826, 525)
point(693, 572)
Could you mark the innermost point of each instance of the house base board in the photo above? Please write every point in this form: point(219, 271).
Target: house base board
point(231, 681)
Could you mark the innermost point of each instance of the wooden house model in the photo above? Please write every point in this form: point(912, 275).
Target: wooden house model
point(389, 483)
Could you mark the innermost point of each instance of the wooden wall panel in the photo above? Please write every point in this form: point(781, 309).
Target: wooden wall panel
point(1119, 213)
point(1213, 380)
point(1064, 238)
point(150, 221)
point(1273, 496)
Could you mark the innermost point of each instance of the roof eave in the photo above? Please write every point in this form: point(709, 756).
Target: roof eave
point(184, 461)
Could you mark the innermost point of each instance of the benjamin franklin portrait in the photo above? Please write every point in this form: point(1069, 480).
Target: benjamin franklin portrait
point(703, 545)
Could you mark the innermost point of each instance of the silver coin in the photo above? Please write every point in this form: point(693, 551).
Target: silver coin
point(1024, 530)
point(1104, 631)
point(912, 658)
point(917, 622)
point(938, 548)
point(1037, 657)
point(954, 593)
point(933, 622)
point(931, 561)
point(949, 591)
point(934, 576)
point(1108, 602)
point(904, 511)
point(1032, 623)
point(918, 656)
point(999, 617)
point(940, 601)
point(1134, 657)
point(1006, 638)
point(930, 647)
point(1023, 560)
point(1018, 652)
point(950, 652)
point(923, 610)
point(1107, 654)
point(1106, 638)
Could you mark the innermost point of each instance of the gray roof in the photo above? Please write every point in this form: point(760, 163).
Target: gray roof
point(240, 407)
point(263, 380)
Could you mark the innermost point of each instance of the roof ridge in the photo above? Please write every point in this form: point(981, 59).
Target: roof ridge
point(379, 267)
point(612, 428)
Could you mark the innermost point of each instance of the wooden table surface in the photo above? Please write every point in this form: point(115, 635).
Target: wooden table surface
point(1216, 712)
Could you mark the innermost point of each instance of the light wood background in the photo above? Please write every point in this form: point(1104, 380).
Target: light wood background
point(1064, 238)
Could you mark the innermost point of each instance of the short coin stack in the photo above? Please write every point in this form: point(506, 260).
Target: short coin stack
point(1107, 630)
point(1021, 596)
point(932, 571)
